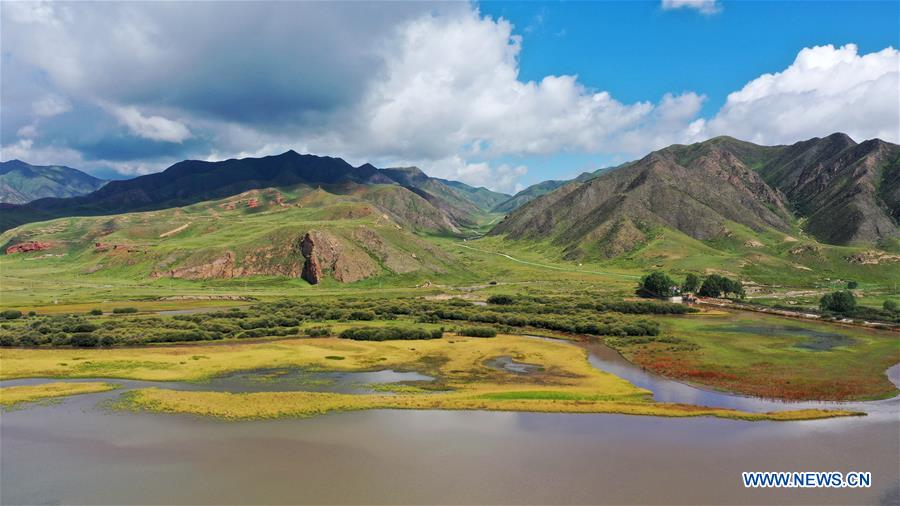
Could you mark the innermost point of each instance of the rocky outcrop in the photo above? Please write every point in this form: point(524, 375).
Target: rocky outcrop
point(872, 257)
point(27, 247)
point(312, 269)
point(325, 252)
point(221, 267)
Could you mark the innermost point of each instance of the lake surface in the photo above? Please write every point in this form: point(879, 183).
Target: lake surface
point(75, 451)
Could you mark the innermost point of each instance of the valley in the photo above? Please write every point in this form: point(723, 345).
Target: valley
point(296, 287)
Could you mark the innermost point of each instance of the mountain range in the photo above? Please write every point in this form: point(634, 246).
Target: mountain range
point(824, 205)
point(832, 188)
point(21, 182)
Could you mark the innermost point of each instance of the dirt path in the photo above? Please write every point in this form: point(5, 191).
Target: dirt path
point(174, 230)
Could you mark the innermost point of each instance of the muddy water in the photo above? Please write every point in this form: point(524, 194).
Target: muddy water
point(75, 451)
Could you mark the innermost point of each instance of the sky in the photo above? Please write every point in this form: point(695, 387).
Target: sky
point(495, 94)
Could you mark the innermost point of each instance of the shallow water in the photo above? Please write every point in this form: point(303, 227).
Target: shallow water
point(75, 451)
point(509, 364)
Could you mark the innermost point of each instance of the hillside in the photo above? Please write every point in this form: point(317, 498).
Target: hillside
point(362, 232)
point(840, 191)
point(435, 206)
point(848, 192)
point(544, 187)
point(21, 182)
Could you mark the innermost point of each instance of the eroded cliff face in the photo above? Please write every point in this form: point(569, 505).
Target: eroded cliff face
point(326, 252)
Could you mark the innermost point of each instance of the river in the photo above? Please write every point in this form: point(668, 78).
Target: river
point(76, 451)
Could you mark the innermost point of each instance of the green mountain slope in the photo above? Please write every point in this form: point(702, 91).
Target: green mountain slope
point(21, 182)
point(344, 233)
point(194, 181)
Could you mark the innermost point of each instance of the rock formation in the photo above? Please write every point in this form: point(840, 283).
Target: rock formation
point(27, 247)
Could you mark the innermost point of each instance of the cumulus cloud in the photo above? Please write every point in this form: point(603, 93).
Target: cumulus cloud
point(155, 128)
point(825, 90)
point(703, 6)
point(427, 84)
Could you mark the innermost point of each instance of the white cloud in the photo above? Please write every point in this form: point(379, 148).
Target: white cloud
point(50, 106)
point(703, 6)
point(154, 128)
point(450, 90)
point(825, 90)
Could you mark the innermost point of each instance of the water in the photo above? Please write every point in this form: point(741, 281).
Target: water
point(75, 451)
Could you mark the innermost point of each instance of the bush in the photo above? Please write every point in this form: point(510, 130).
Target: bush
point(84, 340)
point(124, 310)
point(501, 300)
point(840, 302)
point(96, 312)
point(477, 331)
point(890, 305)
point(852, 285)
point(318, 331)
point(389, 334)
point(11, 314)
point(361, 315)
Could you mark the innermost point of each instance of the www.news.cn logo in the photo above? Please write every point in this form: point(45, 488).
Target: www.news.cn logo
point(832, 479)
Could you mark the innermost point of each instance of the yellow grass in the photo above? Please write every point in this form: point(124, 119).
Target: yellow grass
point(10, 396)
point(567, 383)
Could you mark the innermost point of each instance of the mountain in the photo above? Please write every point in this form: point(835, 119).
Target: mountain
point(21, 182)
point(527, 195)
point(301, 231)
point(536, 190)
point(460, 200)
point(430, 203)
point(847, 192)
point(842, 191)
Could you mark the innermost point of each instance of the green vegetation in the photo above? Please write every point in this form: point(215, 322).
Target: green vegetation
point(477, 331)
point(841, 302)
point(716, 286)
point(656, 284)
point(389, 334)
point(583, 315)
point(124, 310)
point(11, 396)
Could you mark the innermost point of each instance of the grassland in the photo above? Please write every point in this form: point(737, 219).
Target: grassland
point(768, 356)
point(565, 383)
point(11, 396)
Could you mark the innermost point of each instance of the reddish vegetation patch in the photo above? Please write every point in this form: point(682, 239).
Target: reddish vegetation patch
point(27, 247)
point(252, 203)
point(761, 379)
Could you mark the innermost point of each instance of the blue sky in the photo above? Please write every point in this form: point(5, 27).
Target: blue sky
point(501, 94)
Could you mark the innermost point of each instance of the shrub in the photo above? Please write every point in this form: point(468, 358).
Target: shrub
point(84, 340)
point(477, 331)
point(389, 334)
point(501, 300)
point(11, 314)
point(361, 315)
point(124, 310)
point(890, 305)
point(96, 312)
point(318, 331)
point(852, 285)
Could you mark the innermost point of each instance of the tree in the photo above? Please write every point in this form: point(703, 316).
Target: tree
point(841, 302)
point(734, 287)
point(691, 283)
point(656, 284)
point(851, 285)
point(713, 286)
point(890, 305)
